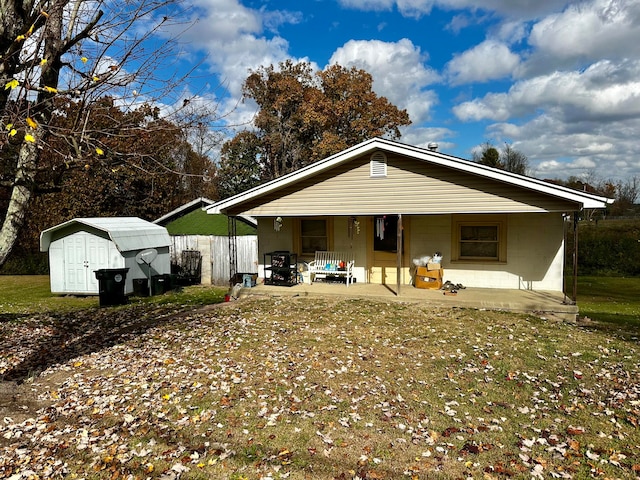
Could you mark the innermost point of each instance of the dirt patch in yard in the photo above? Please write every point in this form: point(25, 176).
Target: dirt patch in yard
point(18, 402)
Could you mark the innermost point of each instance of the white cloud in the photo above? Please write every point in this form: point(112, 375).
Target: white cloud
point(417, 8)
point(489, 60)
point(604, 91)
point(511, 31)
point(559, 169)
point(398, 70)
point(423, 136)
point(559, 149)
point(588, 31)
point(375, 5)
point(234, 39)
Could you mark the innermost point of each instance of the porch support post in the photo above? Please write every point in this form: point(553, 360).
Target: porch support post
point(399, 244)
point(575, 258)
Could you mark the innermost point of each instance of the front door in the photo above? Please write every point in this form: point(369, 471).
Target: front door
point(383, 249)
point(83, 254)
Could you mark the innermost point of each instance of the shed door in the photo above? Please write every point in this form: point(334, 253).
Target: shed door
point(84, 253)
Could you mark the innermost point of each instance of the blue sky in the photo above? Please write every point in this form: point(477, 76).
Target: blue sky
point(558, 80)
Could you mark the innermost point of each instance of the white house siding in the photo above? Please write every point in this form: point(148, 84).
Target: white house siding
point(535, 252)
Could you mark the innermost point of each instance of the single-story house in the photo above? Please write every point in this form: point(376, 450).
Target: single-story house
point(79, 247)
point(387, 203)
point(192, 231)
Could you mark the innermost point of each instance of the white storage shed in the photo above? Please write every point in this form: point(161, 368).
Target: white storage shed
point(79, 247)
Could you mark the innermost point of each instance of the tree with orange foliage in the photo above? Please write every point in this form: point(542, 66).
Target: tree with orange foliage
point(303, 117)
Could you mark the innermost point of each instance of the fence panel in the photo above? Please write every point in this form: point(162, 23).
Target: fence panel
point(216, 254)
point(180, 243)
point(247, 250)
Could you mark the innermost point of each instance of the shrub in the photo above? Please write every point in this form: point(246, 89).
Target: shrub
point(609, 248)
point(26, 264)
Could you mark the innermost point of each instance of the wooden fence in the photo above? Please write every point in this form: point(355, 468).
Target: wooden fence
point(215, 255)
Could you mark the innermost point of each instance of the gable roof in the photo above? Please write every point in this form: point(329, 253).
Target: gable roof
point(186, 220)
point(188, 207)
point(429, 157)
point(198, 222)
point(127, 233)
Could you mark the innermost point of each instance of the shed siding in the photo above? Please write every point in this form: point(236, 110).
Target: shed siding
point(78, 248)
point(410, 187)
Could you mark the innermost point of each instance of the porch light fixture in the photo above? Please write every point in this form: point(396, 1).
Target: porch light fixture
point(277, 224)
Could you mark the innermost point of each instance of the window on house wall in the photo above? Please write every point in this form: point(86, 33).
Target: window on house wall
point(313, 236)
point(481, 238)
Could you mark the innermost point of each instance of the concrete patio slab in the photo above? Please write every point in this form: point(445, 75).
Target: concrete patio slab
point(541, 303)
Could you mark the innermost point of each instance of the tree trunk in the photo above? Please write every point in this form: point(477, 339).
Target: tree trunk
point(20, 198)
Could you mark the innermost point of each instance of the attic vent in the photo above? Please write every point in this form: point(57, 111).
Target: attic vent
point(378, 165)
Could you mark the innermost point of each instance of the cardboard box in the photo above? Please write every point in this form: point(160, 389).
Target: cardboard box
point(426, 272)
point(428, 278)
point(433, 266)
point(428, 283)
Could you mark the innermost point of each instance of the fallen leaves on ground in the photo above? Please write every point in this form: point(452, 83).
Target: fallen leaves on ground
point(318, 388)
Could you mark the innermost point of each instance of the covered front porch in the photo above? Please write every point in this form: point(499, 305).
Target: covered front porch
point(548, 304)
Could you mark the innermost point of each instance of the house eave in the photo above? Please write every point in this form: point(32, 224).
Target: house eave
point(582, 200)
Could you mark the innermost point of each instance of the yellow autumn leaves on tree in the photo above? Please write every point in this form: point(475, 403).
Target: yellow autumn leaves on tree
point(33, 125)
point(11, 84)
point(14, 83)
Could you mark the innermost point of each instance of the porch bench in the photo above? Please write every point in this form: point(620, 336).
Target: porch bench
point(329, 263)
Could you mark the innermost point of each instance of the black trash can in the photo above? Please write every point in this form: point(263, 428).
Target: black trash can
point(111, 282)
point(159, 284)
point(141, 287)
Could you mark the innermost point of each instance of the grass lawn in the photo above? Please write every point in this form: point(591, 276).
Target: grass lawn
point(23, 295)
point(315, 388)
point(614, 302)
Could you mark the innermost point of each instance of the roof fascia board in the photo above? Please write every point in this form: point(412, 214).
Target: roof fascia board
point(293, 177)
point(586, 200)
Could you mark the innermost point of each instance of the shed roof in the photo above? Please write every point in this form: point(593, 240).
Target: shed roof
point(127, 233)
point(242, 202)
